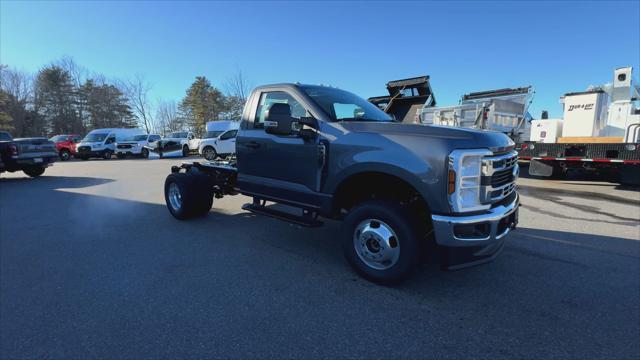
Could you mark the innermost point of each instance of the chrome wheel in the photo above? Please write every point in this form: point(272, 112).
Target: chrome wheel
point(376, 244)
point(209, 154)
point(175, 198)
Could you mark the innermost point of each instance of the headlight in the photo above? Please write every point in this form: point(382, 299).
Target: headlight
point(465, 172)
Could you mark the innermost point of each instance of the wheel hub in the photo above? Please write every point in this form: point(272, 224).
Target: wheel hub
point(175, 198)
point(376, 244)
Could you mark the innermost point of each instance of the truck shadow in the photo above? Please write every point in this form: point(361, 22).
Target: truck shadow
point(50, 183)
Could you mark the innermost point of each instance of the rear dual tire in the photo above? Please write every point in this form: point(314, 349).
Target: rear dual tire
point(188, 195)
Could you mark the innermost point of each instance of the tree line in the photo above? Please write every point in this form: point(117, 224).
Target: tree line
point(65, 98)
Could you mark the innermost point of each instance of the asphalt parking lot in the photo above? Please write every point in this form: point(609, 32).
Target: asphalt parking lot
point(93, 266)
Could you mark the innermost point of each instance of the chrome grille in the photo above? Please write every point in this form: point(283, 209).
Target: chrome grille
point(499, 174)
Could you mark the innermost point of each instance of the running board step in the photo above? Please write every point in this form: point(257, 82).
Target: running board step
point(281, 215)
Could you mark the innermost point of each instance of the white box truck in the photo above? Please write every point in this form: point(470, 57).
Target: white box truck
point(600, 130)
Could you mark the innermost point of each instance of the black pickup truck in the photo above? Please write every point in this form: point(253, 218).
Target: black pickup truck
point(401, 190)
point(31, 155)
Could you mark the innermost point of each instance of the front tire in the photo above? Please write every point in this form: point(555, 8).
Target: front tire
point(107, 154)
point(65, 155)
point(34, 171)
point(209, 153)
point(185, 151)
point(188, 195)
point(145, 153)
point(381, 241)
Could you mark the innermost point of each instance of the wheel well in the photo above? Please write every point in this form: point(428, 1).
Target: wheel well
point(374, 185)
point(208, 146)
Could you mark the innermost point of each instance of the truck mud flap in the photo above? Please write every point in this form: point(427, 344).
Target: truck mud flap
point(539, 168)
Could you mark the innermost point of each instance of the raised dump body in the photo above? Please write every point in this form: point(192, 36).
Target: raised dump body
point(406, 98)
point(503, 110)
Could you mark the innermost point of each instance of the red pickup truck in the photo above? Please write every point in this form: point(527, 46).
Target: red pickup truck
point(66, 145)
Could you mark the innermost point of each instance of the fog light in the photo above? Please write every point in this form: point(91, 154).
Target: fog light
point(472, 231)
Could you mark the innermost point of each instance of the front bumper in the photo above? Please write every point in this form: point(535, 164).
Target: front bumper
point(474, 239)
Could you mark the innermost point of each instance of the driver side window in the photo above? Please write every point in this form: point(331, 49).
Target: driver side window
point(110, 140)
point(229, 135)
point(269, 98)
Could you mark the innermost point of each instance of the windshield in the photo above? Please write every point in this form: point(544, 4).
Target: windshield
point(178, 135)
point(4, 136)
point(136, 138)
point(212, 134)
point(97, 137)
point(59, 138)
point(342, 105)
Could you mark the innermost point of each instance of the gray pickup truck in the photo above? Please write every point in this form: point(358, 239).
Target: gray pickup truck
point(402, 191)
point(30, 155)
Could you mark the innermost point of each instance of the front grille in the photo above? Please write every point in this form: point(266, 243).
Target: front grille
point(499, 177)
point(502, 177)
point(124, 146)
point(84, 148)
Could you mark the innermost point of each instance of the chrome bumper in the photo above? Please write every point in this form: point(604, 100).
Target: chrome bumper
point(498, 221)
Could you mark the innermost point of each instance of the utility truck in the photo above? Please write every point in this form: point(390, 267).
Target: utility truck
point(402, 191)
point(600, 130)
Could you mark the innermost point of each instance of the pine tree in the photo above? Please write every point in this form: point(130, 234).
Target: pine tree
point(56, 100)
point(202, 103)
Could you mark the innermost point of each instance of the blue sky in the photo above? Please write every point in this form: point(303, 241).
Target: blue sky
point(464, 46)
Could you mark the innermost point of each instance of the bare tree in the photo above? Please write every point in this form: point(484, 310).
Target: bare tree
point(19, 87)
point(238, 86)
point(79, 74)
point(137, 90)
point(167, 119)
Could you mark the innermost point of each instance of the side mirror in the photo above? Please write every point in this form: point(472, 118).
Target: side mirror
point(278, 120)
point(307, 127)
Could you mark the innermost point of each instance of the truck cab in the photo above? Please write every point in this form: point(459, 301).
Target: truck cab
point(399, 189)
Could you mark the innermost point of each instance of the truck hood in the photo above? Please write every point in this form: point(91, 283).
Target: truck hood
point(458, 138)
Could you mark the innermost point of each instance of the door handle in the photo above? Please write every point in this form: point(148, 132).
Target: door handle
point(253, 144)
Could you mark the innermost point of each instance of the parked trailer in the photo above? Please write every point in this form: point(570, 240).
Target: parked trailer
point(598, 131)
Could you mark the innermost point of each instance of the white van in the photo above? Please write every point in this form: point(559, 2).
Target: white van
point(102, 142)
point(220, 139)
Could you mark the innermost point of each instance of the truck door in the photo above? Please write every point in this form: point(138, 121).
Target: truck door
point(282, 167)
point(193, 143)
point(227, 142)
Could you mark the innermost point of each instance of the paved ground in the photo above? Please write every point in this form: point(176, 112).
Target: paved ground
point(93, 266)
